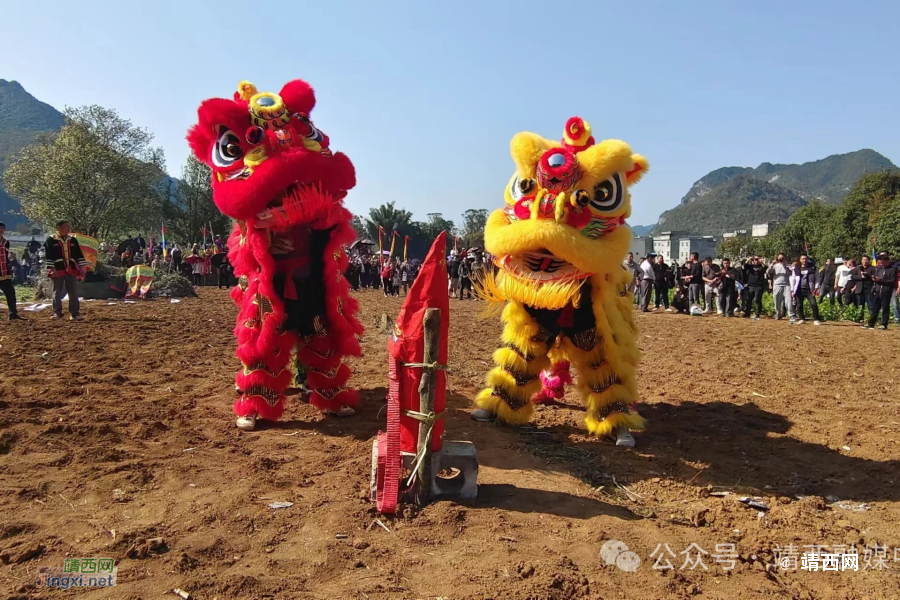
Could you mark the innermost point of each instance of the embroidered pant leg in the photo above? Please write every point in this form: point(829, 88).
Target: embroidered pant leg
point(520, 360)
point(264, 350)
point(326, 374)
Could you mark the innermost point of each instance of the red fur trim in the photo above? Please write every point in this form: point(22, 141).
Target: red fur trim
point(298, 96)
point(317, 380)
point(317, 359)
point(277, 383)
point(549, 380)
point(346, 398)
point(245, 406)
point(553, 383)
point(542, 397)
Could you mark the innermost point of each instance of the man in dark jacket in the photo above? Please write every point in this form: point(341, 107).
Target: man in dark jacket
point(861, 279)
point(755, 283)
point(662, 272)
point(728, 293)
point(6, 276)
point(806, 287)
point(883, 287)
point(66, 265)
point(827, 277)
point(694, 279)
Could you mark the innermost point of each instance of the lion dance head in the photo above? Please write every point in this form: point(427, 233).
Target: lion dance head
point(262, 146)
point(564, 218)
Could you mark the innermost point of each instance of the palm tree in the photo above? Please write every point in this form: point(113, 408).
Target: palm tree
point(390, 219)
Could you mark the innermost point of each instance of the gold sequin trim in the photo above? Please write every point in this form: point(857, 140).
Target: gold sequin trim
point(601, 387)
point(265, 306)
point(521, 379)
point(615, 407)
point(270, 396)
point(319, 326)
point(243, 282)
point(330, 374)
point(330, 393)
point(585, 340)
point(513, 403)
point(542, 336)
point(325, 354)
point(523, 355)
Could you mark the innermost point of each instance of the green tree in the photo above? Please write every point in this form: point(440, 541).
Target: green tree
point(390, 219)
point(359, 225)
point(474, 221)
point(434, 226)
point(850, 229)
point(188, 205)
point(886, 231)
point(803, 230)
point(734, 248)
point(99, 172)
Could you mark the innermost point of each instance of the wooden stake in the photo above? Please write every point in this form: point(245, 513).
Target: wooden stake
point(427, 387)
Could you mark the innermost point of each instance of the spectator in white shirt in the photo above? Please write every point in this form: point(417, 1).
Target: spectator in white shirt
point(843, 278)
point(648, 281)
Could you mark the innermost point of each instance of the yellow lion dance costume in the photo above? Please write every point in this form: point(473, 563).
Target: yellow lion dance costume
point(559, 244)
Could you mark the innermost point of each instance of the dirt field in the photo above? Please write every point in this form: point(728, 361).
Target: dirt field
point(119, 429)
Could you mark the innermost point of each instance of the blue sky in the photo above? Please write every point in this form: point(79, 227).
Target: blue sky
point(425, 96)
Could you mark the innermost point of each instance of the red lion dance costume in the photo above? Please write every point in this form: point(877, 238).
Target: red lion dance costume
point(275, 175)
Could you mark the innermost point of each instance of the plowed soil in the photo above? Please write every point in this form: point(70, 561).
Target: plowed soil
point(118, 429)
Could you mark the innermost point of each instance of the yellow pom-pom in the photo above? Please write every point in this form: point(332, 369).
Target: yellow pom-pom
point(246, 90)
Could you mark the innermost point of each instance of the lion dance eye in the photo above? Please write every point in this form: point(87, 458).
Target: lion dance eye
point(254, 135)
point(519, 188)
point(608, 194)
point(227, 149)
point(582, 198)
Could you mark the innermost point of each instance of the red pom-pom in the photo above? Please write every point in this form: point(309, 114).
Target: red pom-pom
point(575, 127)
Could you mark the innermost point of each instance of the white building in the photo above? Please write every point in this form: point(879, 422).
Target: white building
point(737, 233)
point(641, 246)
point(703, 245)
point(764, 229)
point(666, 244)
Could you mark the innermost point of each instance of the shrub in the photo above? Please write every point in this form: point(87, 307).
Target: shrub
point(172, 285)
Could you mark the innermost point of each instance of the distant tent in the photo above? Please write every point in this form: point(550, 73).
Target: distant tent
point(362, 242)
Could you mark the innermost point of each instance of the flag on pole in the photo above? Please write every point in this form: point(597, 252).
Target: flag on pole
point(164, 249)
point(456, 243)
point(405, 245)
point(394, 236)
point(874, 253)
point(380, 248)
point(203, 229)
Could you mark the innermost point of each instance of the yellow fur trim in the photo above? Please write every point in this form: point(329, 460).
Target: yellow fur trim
point(597, 256)
point(526, 149)
point(501, 378)
point(496, 288)
point(508, 357)
point(498, 407)
point(613, 421)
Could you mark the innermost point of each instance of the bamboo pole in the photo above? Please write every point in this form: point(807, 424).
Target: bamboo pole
point(427, 387)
